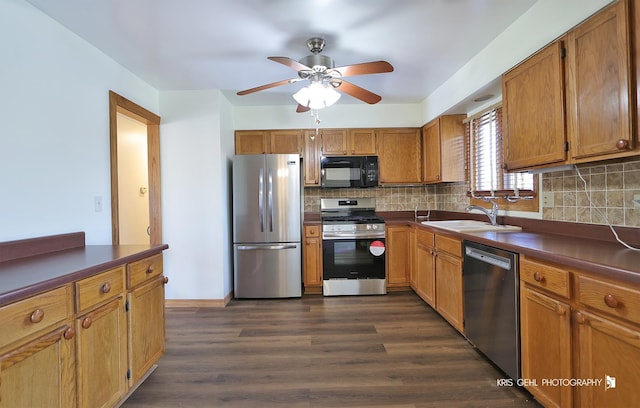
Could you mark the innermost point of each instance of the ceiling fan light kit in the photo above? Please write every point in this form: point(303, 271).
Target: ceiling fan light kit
point(324, 78)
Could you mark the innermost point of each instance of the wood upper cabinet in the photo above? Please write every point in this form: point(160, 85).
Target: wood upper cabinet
point(533, 110)
point(311, 159)
point(399, 256)
point(345, 142)
point(400, 156)
point(600, 94)
point(443, 149)
point(312, 259)
point(269, 141)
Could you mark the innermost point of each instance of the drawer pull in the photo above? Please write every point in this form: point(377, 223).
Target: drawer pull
point(86, 322)
point(537, 276)
point(106, 288)
point(622, 144)
point(611, 301)
point(150, 269)
point(36, 316)
point(69, 333)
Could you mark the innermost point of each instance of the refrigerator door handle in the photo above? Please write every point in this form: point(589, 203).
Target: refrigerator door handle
point(261, 199)
point(270, 181)
point(267, 247)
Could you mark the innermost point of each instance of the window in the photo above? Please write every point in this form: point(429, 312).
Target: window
point(485, 162)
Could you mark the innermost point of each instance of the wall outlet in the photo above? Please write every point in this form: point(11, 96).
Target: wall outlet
point(547, 200)
point(97, 203)
point(636, 200)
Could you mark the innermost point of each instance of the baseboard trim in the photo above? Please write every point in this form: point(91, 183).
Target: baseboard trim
point(178, 303)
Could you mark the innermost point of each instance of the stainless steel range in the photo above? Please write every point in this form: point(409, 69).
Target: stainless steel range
point(353, 247)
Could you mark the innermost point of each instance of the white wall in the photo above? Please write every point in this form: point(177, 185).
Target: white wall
point(54, 127)
point(195, 138)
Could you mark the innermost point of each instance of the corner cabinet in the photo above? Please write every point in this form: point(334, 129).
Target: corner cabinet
point(399, 156)
point(443, 149)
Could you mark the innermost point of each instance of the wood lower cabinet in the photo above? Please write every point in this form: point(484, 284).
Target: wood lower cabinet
point(425, 271)
point(312, 259)
point(449, 291)
point(102, 355)
point(399, 256)
point(399, 156)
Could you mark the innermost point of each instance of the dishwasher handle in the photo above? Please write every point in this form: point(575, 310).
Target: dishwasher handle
point(487, 257)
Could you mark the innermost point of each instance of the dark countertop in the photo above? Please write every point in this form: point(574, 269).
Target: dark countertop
point(589, 248)
point(24, 277)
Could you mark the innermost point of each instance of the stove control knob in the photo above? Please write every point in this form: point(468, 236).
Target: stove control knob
point(375, 226)
point(368, 226)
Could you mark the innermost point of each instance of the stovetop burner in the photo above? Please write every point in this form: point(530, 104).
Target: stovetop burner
point(349, 211)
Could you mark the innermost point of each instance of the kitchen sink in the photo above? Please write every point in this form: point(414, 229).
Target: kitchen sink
point(470, 226)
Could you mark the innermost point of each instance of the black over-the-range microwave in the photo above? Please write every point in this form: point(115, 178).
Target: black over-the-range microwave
point(349, 171)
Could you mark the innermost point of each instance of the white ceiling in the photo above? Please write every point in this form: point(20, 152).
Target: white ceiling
point(224, 44)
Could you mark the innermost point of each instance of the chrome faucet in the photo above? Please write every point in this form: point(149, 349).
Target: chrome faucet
point(492, 213)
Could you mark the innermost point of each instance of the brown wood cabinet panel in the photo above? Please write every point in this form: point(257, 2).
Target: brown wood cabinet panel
point(545, 276)
point(99, 288)
point(443, 149)
point(362, 142)
point(398, 256)
point(399, 156)
point(146, 335)
point(40, 373)
point(252, 142)
point(425, 285)
point(285, 142)
point(449, 292)
point(144, 269)
point(533, 110)
point(334, 142)
point(607, 349)
point(545, 332)
point(312, 259)
point(102, 355)
point(311, 159)
point(614, 299)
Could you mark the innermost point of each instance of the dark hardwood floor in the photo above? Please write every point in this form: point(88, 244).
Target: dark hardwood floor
point(359, 351)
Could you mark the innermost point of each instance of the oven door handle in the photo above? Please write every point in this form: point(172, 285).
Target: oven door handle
point(352, 235)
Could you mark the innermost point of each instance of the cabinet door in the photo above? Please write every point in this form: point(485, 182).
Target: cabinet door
point(452, 157)
point(610, 352)
point(449, 289)
point(252, 142)
point(334, 142)
point(545, 336)
point(362, 142)
point(146, 322)
point(40, 373)
point(398, 260)
point(431, 152)
point(426, 274)
point(102, 355)
point(311, 159)
point(400, 158)
point(599, 90)
point(285, 142)
point(533, 110)
point(312, 258)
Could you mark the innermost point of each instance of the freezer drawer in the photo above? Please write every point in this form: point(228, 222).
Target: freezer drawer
point(267, 270)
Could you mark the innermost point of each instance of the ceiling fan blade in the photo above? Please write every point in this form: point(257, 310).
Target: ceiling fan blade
point(301, 109)
point(291, 63)
point(358, 92)
point(375, 67)
point(267, 86)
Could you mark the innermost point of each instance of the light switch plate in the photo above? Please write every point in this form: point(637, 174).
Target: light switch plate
point(636, 200)
point(547, 200)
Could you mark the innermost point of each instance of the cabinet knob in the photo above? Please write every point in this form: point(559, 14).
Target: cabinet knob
point(69, 333)
point(106, 288)
point(86, 322)
point(560, 310)
point(165, 280)
point(622, 144)
point(537, 276)
point(580, 319)
point(611, 301)
point(150, 269)
point(36, 316)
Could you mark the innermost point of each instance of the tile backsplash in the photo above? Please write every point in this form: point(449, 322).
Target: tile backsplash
point(614, 190)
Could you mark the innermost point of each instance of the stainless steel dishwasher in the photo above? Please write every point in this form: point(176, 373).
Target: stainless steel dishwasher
point(491, 304)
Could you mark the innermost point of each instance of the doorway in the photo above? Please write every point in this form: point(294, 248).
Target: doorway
point(134, 134)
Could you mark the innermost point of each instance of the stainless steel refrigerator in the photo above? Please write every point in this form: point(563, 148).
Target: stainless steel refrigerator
point(267, 214)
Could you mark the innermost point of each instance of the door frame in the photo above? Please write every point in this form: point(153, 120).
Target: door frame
point(120, 104)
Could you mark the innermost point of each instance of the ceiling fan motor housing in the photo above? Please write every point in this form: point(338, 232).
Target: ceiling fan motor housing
point(316, 60)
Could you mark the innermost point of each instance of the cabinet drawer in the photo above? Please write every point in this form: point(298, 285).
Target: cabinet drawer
point(450, 245)
point(140, 271)
point(610, 298)
point(312, 231)
point(425, 238)
point(27, 316)
point(545, 276)
point(96, 289)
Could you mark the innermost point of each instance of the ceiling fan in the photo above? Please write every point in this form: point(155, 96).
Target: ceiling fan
point(320, 71)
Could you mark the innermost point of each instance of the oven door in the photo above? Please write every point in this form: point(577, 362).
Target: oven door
point(357, 258)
